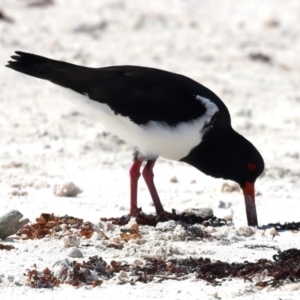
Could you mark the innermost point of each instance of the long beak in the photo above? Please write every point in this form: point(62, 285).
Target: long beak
point(248, 190)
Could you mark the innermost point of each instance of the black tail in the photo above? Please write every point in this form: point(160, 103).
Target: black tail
point(58, 72)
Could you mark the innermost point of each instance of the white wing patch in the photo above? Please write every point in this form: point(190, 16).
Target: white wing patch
point(153, 138)
point(211, 108)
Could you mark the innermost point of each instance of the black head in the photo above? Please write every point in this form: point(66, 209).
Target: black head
point(226, 154)
point(223, 153)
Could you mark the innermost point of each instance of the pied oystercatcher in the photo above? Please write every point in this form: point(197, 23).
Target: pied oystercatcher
point(162, 114)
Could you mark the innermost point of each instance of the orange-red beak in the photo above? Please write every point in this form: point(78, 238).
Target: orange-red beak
point(248, 190)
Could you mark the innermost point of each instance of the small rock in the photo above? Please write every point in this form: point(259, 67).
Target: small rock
point(138, 262)
point(200, 212)
point(123, 277)
point(272, 23)
point(245, 231)
point(228, 187)
point(66, 190)
point(10, 223)
point(223, 204)
point(71, 241)
point(74, 252)
point(174, 179)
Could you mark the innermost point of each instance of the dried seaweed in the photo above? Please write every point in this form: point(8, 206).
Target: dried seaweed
point(44, 279)
point(48, 224)
point(130, 234)
point(117, 221)
point(153, 220)
point(6, 247)
point(115, 246)
point(285, 267)
point(77, 274)
point(294, 226)
point(86, 230)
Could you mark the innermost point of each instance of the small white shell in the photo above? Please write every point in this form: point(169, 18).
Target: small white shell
point(272, 231)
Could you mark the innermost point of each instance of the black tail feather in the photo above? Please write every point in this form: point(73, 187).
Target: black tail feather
point(58, 72)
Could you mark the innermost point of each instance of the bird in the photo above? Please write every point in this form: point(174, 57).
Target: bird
point(161, 114)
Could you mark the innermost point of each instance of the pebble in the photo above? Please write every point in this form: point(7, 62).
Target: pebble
point(223, 204)
point(74, 252)
point(10, 223)
point(123, 277)
point(174, 179)
point(68, 189)
point(229, 187)
point(138, 262)
point(245, 231)
point(214, 295)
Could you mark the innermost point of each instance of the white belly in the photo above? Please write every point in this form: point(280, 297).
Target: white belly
point(152, 139)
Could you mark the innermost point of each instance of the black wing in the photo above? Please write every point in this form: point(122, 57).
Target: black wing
point(140, 93)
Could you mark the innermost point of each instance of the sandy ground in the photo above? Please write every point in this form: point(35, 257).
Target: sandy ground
point(247, 53)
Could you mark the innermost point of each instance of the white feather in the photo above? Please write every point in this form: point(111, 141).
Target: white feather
point(154, 138)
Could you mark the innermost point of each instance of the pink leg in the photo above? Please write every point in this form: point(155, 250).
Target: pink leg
point(148, 176)
point(135, 174)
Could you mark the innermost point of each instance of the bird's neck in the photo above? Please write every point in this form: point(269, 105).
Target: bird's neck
point(210, 155)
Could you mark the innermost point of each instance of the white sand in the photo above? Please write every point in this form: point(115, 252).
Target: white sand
point(209, 41)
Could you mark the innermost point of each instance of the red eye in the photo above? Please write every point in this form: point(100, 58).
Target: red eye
point(251, 167)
